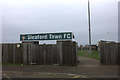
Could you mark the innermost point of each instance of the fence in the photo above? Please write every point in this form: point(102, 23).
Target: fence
point(109, 53)
point(62, 53)
point(68, 52)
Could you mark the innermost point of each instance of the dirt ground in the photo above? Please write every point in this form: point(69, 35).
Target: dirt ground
point(87, 68)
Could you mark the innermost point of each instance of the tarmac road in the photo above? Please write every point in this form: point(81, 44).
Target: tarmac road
point(87, 68)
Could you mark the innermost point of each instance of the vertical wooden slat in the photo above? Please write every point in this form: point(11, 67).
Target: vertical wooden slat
point(25, 54)
point(14, 54)
point(60, 50)
point(108, 53)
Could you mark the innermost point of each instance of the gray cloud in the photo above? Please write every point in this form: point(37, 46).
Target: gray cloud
point(46, 16)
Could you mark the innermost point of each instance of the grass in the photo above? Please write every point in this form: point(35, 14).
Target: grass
point(85, 53)
point(10, 64)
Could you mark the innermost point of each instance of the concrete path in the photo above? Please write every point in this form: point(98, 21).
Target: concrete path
point(88, 61)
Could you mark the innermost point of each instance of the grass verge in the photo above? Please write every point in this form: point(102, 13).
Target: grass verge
point(10, 64)
point(85, 53)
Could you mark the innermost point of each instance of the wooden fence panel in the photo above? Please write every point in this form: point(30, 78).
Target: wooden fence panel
point(33, 54)
point(10, 53)
point(25, 54)
point(118, 59)
point(41, 54)
point(74, 53)
point(62, 53)
point(109, 53)
point(4, 53)
point(67, 52)
point(59, 51)
point(54, 55)
point(18, 54)
point(47, 54)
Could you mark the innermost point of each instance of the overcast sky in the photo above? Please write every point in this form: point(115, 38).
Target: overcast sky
point(36, 16)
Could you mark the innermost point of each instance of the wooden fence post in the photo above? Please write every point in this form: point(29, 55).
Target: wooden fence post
point(59, 48)
point(14, 47)
point(25, 59)
point(0, 55)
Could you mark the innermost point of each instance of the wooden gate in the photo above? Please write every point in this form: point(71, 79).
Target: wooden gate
point(43, 54)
